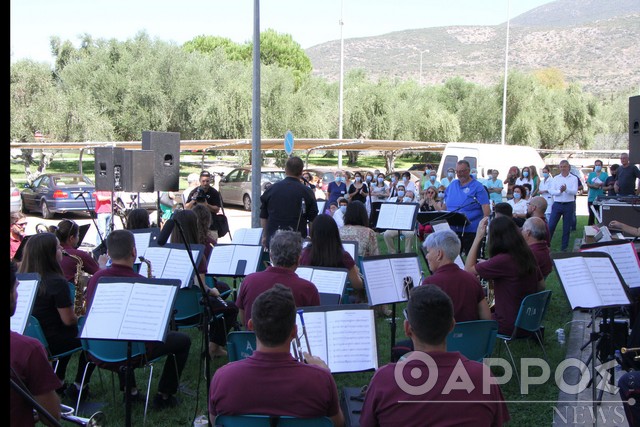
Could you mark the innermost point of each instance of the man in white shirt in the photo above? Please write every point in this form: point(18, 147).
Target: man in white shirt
point(564, 188)
point(390, 236)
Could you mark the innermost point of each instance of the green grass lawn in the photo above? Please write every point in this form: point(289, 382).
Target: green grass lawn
point(193, 395)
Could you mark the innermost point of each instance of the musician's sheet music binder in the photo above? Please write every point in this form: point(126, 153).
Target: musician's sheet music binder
point(82, 232)
point(247, 236)
point(345, 338)
point(624, 257)
point(321, 205)
point(26, 296)
point(131, 309)
point(397, 216)
point(144, 238)
point(171, 261)
point(384, 276)
point(590, 280)
point(351, 246)
point(234, 260)
point(453, 218)
point(329, 281)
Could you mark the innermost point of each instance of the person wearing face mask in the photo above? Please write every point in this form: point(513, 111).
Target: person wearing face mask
point(611, 180)
point(338, 215)
point(519, 205)
point(358, 190)
point(379, 189)
point(391, 236)
point(424, 179)
point(408, 184)
point(543, 190)
point(432, 182)
point(525, 176)
point(451, 175)
point(395, 182)
point(595, 182)
point(337, 188)
point(494, 187)
point(512, 176)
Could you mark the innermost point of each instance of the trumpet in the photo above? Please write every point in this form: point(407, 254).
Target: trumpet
point(99, 419)
point(297, 348)
point(623, 350)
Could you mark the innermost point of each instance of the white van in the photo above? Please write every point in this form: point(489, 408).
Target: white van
point(483, 157)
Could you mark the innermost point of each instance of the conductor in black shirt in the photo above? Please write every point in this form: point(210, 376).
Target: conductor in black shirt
point(287, 204)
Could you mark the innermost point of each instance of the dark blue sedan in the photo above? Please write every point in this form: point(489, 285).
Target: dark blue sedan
point(58, 193)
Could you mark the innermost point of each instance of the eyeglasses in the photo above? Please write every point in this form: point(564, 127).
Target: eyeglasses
point(462, 170)
point(21, 224)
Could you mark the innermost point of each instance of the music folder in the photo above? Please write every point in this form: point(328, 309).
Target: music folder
point(131, 309)
point(397, 216)
point(590, 280)
point(82, 232)
point(234, 260)
point(384, 276)
point(26, 296)
point(247, 236)
point(171, 261)
point(145, 237)
point(343, 336)
point(329, 281)
point(624, 256)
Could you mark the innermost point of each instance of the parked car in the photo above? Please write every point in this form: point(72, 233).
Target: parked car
point(58, 193)
point(16, 199)
point(326, 175)
point(235, 187)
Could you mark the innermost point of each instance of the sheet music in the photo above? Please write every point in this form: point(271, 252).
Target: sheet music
point(247, 236)
point(625, 258)
point(344, 339)
point(379, 279)
point(397, 216)
point(403, 267)
point(327, 281)
point(158, 257)
point(351, 248)
point(591, 282)
point(26, 296)
point(170, 263)
point(142, 243)
point(321, 205)
point(224, 259)
point(129, 311)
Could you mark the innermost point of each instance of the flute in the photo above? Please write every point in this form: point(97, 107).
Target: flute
point(304, 331)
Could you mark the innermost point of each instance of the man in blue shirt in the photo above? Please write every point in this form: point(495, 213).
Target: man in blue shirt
point(469, 197)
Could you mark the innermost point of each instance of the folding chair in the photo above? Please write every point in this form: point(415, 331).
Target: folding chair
point(270, 421)
point(530, 316)
point(188, 310)
point(474, 339)
point(240, 344)
point(34, 330)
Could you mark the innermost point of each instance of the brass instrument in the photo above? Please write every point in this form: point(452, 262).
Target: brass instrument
point(42, 228)
point(99, 419)
point(623, 350)
point(146, 261)
point(490, 294)
point(80, 303)
point(297, 349)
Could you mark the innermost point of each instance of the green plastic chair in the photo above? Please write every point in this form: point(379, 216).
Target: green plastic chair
point(34, 330)
point(240, 344)
point(188, 310)
point(475, 339)
point(270, 421)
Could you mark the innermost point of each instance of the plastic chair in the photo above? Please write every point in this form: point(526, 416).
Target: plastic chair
point(115, 352)
point(34, 330)
point(530, 316)
point(189, 311)
point(474, 339)
point(240, 345)
point(270, 421)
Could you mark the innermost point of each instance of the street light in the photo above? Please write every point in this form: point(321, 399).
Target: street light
point(340, 106)
point(504, 91)
point(424, 51)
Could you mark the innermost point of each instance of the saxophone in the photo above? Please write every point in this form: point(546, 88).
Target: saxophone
point(146, 261)
point(80, 304)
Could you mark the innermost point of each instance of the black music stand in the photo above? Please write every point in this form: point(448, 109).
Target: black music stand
point(237, 261)
point(98, 324)
point(455, 219)
point(397, 216)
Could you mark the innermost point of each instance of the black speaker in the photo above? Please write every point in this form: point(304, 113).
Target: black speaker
point(138, 171)
point(109, 162)
point(166, 149)
point(634, 129)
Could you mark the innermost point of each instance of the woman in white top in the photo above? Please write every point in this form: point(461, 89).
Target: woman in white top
point(525, 177)
point(543, 190)
point(519, 204)
point(380, 189)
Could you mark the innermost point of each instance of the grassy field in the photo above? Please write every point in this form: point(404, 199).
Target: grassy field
point(193, 385)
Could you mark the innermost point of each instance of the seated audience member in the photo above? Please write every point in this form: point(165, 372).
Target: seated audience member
point(535, 234)
point(338, 215)
point(512, 267)
point(121, 248)
point(284, 250)
point(17, 226)
point(519, 204)
point(356, 228)
point(537, 208)
point(271, 381)
point(29, 366)
point(326, 250)
point(391, 236)
point(503, 209)
point(429, 320)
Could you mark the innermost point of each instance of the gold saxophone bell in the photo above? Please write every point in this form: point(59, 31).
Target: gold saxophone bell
point(146, 261)
point(80, 303)
point(99, 419)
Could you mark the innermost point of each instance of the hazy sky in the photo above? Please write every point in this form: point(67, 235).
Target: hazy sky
point(33, 22)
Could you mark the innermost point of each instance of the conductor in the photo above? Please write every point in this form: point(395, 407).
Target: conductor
point(287, 204)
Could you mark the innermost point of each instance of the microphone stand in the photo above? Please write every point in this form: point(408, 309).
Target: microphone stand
point(207, 311)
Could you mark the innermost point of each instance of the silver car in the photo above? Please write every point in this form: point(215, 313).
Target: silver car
point(16, 200)
point(235, 187)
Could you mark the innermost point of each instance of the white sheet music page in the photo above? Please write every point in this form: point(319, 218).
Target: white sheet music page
point(403, 267)
point(380, 282)
point(106, 314)
point(305, 272)
point(24, 304)
point(147, 313)
point(179, 266)
point(351, 341)
point(351, 248)
point(316, 331)
point(329, 281)
point(142, 243)
point(220, 260)
point(591, 282)
point(247, 236)
point(625, 258)
point(158, 257)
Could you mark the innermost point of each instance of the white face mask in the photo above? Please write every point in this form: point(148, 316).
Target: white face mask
point(406, 199)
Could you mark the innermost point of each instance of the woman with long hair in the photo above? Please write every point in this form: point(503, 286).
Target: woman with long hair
point(535, 181)
point(512, 267)
point(68, 234)
point(54, 307)
point(380, 189)
point(356, 228)
point(195, 225)
point(326, 250)
point(138, 219)
point(358, 190)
